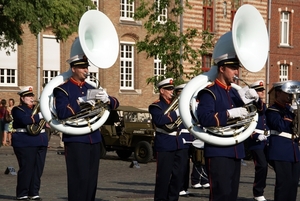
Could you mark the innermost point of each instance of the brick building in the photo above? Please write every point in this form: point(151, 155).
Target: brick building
point(126, 79)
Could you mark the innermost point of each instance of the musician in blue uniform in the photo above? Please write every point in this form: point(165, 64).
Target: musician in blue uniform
point(30, 149)
point(258, 143)
point(218, 103)
point(168, 145)
point(283, 145)
point(185, 134)
point(82, 152)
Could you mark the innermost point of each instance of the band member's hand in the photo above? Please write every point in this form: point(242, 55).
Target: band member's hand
point(83, 99)
point(237, 112)
point(262, 137)
point(102, 96)
point(177, 112)
point(252, 94)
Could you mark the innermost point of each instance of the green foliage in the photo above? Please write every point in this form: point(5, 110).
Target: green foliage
point(61, 16)
point(167, 40)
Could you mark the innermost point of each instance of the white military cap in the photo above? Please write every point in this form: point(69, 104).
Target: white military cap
point(28, 90)
point(258, 85)
point(166, 83)
point(179, 87)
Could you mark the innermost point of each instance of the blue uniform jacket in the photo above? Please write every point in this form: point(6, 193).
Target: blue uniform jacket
point(279, 117)
point(66, 96)
point(254, 143)
point(22, 115)
point(214, 101)
point(163, 141)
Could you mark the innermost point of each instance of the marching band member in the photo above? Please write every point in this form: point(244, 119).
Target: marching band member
point(218, 103)
point(30, 150)
point(168, 146)
point(186, 148)
point(283, 149)
point(82, 152)
point(258, 143)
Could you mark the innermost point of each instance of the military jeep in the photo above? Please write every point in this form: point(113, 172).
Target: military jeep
point(128, 130)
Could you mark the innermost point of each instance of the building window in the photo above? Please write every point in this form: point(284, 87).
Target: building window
point(51, 58)
point(283, 72)
point(284, 28)
point(235, 4)
point(48, 75)
point(127, 9)
point(162, 18)
point(127, 66)
point(9, 68)
point(208, 15)
point(206, 62)
point(159, 70)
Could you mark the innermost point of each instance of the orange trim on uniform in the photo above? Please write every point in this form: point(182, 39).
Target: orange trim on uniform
point(115, 105)
point(222, 85)
point(32, 119)
point(287, 119)
point(80, 84)
point(217, 119)
point(71, 109)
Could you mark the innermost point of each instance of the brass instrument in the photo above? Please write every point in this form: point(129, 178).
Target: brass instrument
point(293, 87)
point(35, 129)
point(173, 126)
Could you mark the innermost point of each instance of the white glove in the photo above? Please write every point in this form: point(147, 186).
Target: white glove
point(41, 115)
point(83, 99)
point(102, 96)
point(177, 112)
point(261, 137)
point(237, 112)
point(252, 94)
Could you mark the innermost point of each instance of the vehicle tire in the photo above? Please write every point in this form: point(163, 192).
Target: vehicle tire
point(124, 154)
point(143, 152)
point(102, 150)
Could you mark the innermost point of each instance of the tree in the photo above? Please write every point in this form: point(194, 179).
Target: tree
point(165, 39)
point(61, 16)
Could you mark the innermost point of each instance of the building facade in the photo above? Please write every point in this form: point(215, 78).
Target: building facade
point(126, 79)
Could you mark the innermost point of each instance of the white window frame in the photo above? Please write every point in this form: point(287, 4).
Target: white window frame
point(127, 71)
point(9, 68)
point(162, 18)
point(284, 28)
point(158, 68)
point(126, 10)
point(50, 75)
point(96, 3)
point(283, 72)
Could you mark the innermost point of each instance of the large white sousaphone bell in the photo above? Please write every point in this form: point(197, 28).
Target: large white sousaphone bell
point(98, 41)
point(249, 41)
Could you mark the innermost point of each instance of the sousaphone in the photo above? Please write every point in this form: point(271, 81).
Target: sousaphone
point(98, 40)
point(250, 42)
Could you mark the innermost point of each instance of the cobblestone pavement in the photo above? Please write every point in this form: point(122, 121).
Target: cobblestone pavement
point(116, 181)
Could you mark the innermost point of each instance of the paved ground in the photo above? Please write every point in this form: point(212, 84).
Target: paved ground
point(116, 182)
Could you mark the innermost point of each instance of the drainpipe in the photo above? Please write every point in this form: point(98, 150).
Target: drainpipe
point(38, 64)
point(268, 61)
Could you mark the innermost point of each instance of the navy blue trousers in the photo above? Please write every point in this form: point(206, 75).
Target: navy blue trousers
point(287, 178)
point(82, 170)
point(169, 175)
point(224, 177)
point(261, 171)
point(31, 162)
